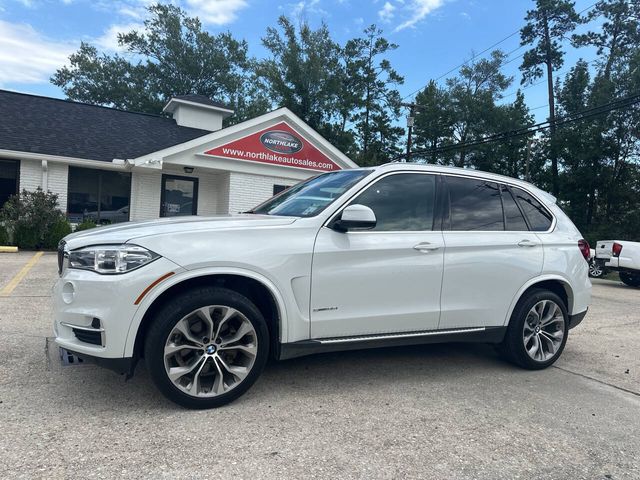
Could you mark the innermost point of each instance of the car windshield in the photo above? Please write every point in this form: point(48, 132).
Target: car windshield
point(311, 196)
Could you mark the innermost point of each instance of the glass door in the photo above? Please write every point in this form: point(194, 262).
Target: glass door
point(179, 196)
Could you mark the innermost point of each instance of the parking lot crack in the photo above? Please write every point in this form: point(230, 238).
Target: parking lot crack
point(626, 390)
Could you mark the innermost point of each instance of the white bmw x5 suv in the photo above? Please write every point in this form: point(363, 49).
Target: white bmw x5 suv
point(394, 255)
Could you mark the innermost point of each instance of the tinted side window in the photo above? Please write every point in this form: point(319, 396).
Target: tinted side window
point(512, 215)
point(539, 218)
point(474, 204)
point(401, 202)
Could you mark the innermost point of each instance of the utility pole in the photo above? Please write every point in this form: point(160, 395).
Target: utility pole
point(410, 120)
point(527, 176)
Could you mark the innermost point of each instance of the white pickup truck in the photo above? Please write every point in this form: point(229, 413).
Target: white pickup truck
point(621, 256)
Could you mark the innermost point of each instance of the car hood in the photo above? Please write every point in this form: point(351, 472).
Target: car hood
point(129, 231)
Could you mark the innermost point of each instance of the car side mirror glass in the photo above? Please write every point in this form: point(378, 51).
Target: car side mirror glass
point(355, 216)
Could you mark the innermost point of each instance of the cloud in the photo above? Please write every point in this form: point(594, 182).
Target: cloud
point(109, 39)
point(216, 12)
point(28, 57)
point(302, 7)
point(386, 12)
point(419, 9)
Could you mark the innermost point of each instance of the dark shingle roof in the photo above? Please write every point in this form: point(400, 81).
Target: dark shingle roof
point(30, 123)
point(192, 97)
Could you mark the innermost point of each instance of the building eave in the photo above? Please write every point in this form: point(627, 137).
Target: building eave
point(84, 162)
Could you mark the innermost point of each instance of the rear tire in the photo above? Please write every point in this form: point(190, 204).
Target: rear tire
point(537, 331)
point(206, 347)
point(596, 269)
point(630, 279)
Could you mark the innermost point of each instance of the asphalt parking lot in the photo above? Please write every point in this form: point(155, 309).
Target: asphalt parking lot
point(443, 411)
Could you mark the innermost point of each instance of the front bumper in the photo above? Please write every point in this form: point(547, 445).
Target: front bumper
point(86, 302)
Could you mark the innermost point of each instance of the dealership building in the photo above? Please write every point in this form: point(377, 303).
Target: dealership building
point(110, 165)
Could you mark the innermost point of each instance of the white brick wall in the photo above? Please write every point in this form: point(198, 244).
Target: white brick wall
point(30, 174)
point(145, 195)
point(56, 179)
point(247, 191)
point(58, 182)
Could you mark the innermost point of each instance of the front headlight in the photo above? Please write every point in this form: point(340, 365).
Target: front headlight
point(111, 259)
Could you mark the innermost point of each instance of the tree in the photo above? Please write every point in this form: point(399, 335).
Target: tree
point(600, 156)
point(473, 97)
point(303, 73)
point(373, 96)
point(547, 25)
point(433, 120)
point(173, 55)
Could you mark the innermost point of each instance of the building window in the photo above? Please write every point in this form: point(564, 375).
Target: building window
point(279, 188)
point(8, 179)
point(99, 196)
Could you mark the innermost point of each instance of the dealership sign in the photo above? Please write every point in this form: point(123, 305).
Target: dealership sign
point(277, 145)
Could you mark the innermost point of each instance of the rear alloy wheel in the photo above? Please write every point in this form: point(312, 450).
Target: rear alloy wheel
point(207, 347)
point(630, 279)
point(537, 331)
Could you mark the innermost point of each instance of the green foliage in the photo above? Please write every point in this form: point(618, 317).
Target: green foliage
point(85, 225)
point(34, 220)
point(4, 236)
point(371, 97)
point(548, 24)
point(303, 72)
point(58, 230)
point(467, 110)
point(171, 55)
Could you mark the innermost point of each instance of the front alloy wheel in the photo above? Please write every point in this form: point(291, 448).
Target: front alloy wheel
point(206, 347)
point(210, 351)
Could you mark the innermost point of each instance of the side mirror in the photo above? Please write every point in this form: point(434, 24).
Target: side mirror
point(355, 217)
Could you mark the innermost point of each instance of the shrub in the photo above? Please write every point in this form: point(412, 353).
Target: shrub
point(60, 229)
point(85, 225)
point(33, 219)
point(4, 236)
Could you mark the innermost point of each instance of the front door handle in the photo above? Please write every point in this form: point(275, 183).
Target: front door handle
point(426, 247)
point(526, 243)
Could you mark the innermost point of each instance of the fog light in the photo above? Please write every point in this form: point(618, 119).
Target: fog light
point(95, 323)
point(68, 292)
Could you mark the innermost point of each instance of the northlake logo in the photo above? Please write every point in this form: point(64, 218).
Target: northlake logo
point(281, 142)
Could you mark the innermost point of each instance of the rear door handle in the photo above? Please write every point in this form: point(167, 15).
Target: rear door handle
point(426, 247)
point(526, 243)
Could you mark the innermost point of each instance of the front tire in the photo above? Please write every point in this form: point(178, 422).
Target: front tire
point(630, 279)
point(206, 347)
point(537, 331)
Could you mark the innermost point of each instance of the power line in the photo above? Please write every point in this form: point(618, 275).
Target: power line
point(544, 80)
point(505, 135)
point(465, 62)
point(483, 52)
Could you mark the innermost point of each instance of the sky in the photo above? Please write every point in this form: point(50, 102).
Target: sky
point(434, 36)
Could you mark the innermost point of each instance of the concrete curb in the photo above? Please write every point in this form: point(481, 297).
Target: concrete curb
point(7, 249)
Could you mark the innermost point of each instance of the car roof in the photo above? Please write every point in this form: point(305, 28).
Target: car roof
point(400, 166)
